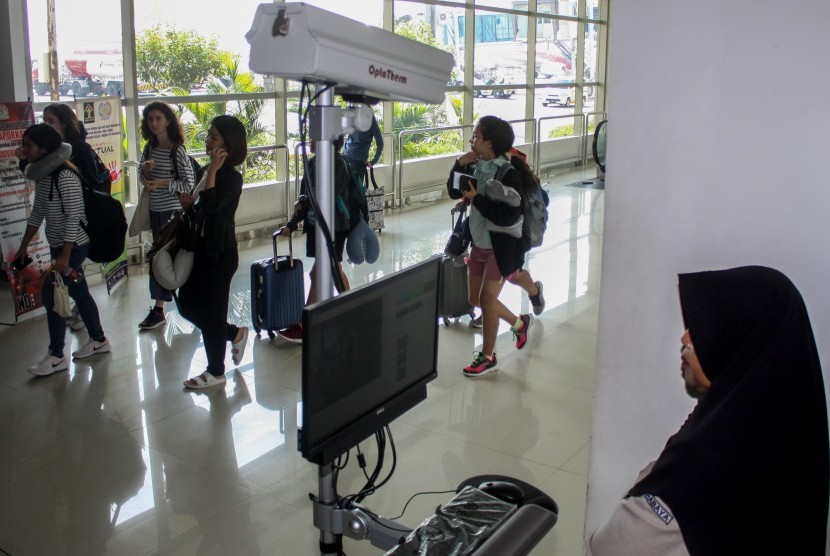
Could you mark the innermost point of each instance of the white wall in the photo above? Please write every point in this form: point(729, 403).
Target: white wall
point(718, 156)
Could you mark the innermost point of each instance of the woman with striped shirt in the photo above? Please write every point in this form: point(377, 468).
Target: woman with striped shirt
point(60, 202)
point(166, 173)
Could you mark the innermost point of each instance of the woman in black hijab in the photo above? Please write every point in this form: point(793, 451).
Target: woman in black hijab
point(747, 473)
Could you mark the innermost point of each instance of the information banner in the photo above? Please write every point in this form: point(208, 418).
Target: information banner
point(102, 120)
point(16, 199)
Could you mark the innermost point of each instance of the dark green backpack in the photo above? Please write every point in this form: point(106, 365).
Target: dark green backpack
point(351, 200)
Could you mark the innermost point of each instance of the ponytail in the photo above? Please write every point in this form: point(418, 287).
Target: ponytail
point(528, 182)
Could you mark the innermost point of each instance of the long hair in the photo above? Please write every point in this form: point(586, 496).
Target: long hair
point(501, 137)
point(74, 131)
point(174, 128)
point(529, 181)
point(235, 137)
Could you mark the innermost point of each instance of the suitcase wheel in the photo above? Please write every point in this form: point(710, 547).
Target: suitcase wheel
point(446, 321)
point(271, 334)
point(257, 330)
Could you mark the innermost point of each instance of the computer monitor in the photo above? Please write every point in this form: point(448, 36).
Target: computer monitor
point(367, 357)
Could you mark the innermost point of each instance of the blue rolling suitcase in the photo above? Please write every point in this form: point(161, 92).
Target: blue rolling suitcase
point(277, 291)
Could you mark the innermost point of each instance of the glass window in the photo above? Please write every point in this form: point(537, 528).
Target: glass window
point(507, 4)
point(259, 117)
point(88, 63)
point(193, 50)
point(370, 12)
point(554, 7)
point(592, 9)
point(555, 51)
point(421, 116)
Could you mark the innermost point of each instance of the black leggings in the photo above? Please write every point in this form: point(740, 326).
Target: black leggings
point(203, 300)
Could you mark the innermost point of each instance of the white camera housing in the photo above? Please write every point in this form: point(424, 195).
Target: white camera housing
point(297, 41)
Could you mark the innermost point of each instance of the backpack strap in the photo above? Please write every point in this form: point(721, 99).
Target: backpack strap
point(502, 171)
point(54, 185)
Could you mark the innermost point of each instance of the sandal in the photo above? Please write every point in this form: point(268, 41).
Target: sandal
point(238, 348)
point(204, 380)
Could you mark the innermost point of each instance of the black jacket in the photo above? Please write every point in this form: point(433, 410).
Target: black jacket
point(217, 209)
point(509, 251)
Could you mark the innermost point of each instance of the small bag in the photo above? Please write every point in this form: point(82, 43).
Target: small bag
point(62, 306)
point(171, 270)
point(376, 199)
point(459, 239)
point(141, 216)
point(183, 229)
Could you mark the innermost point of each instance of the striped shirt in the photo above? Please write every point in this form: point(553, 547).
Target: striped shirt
point(165, 199)
point(63, 213)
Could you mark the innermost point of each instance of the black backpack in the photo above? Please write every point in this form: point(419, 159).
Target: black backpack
point(105, 225)
point(102, 174)
point(351, 200)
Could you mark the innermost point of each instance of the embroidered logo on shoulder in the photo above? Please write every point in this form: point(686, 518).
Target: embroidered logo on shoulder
point(658, 508)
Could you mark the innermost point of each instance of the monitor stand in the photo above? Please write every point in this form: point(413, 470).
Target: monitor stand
point(516, 535)
point(355, 523)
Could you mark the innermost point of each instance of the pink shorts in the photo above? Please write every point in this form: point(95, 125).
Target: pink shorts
point(482, 262)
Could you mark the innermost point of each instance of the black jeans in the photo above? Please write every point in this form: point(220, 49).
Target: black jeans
point(203, 300)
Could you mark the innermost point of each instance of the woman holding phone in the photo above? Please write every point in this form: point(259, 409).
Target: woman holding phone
point(203, 299)
point(496, 253)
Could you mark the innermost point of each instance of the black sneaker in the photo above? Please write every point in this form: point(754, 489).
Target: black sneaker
point(154, 320)
point(538, 301)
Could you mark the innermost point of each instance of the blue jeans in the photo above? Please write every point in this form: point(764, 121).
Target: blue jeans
point(79, 291)
point(157, 221)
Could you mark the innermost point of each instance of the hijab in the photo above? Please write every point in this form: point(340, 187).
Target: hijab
point(747, 473)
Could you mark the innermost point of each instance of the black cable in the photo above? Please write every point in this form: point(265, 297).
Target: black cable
point(411, 498)
point(394, 460)
point(322, 224)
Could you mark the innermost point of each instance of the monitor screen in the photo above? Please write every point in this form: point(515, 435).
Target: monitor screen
point(367, 356)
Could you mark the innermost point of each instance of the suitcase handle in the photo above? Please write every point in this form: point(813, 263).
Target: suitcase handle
point(372, 177)
point(461, 213)
point(290, 249)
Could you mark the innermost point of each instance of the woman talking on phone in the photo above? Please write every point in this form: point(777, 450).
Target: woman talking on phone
point(203, 299)
point(498, 243)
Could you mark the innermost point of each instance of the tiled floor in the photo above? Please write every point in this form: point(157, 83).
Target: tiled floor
point(113, 457)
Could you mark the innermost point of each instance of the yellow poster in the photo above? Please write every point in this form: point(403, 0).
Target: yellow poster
point(102, 120)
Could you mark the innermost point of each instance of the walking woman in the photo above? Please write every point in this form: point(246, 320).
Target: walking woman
point(60, 203)
point(166, 172)
point(496, 228)
point(63, 119)
point(203, 299)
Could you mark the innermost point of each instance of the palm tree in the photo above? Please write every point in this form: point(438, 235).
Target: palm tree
point(248, 111)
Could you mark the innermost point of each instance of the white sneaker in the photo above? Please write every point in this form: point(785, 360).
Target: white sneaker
point(91, 347)
point(48, 365)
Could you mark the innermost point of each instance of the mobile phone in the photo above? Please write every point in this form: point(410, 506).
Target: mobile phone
point(468, 182)
point(19, 264)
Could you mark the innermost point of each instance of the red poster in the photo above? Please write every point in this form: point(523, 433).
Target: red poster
point(16, 198)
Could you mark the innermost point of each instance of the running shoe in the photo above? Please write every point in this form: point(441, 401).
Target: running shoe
point(538, 300)
point(521, 335)
point(481, 366)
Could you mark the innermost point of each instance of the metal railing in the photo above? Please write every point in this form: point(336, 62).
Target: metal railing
point(398, 199)
point(585, 134)
point(537, 155)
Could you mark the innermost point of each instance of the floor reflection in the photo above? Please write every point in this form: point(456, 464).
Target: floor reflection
point(114, 457)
